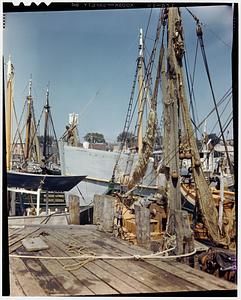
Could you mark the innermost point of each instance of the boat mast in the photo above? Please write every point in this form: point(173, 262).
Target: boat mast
point(171, 156)
point(9, 108)
point(140, 93)
point(29, 121)
point(46, 108)
point(205, 199)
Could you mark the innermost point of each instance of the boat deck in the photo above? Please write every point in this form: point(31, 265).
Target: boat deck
point(42, 277)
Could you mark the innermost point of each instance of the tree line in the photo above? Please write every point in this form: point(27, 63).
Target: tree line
point(130, 139)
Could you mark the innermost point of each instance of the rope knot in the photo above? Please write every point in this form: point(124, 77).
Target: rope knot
point(136, 256)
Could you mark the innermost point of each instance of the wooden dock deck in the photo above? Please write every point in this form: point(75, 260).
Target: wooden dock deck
point(42, 277)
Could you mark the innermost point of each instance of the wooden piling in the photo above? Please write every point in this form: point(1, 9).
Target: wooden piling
point(74, 209)
point(181, 228)
point(142, 217)
point(104, 212)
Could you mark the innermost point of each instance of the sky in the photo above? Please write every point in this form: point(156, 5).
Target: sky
point(89, 60)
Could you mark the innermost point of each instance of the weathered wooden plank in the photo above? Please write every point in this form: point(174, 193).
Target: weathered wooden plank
point(111, 279)
point(70, 284)
point(15, 287)
point(21, 235)
point(160, 280)
point(27, 281)
point(85, 276)
point(196, 277)
point(41, 273)
point(193, 278)
point(154, 277)
point(115, 282)
point(157, 280)
point(14, 231)
point(18, 242)
point(121, 270)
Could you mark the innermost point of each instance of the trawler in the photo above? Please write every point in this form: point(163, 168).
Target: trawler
point(212, 210)
point(153, 220)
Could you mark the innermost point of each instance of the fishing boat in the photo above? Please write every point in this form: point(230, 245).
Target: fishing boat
point(110, 168)
point(31, 172)
point(156, 222)
point(212, 210)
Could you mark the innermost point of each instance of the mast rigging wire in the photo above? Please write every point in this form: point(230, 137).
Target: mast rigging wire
point(199, 32)
point(149, 69)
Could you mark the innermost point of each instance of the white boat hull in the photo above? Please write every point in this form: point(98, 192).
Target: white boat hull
point(98, 165)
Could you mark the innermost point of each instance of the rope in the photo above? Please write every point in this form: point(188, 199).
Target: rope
point(108, 257)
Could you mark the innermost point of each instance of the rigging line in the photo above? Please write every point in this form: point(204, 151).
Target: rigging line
point(155, 177)
point(219, 136)
point(222, 113)
point(189, 90)
point(229, 122)
point(208, 28)
point(55, 136)
point(197, 127)
point(17, 131)
point(190, 79)
point(148, 23)
point(213, 110)
point(148, 84)
point(149, 68)
point(175, 151)
point(89, 102)
point(218, 37)
point(172, 154)
point(199, 29)
point(20, 120)
point(193, 77)
point(35, 132)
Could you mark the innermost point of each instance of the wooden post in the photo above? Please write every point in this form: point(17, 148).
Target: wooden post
point(184, 234)
point(12, 196)
point(97, 210)
point(47, 203)
point(38, 201)
point(142, 216)
point(74, 209)
point(104, 212)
